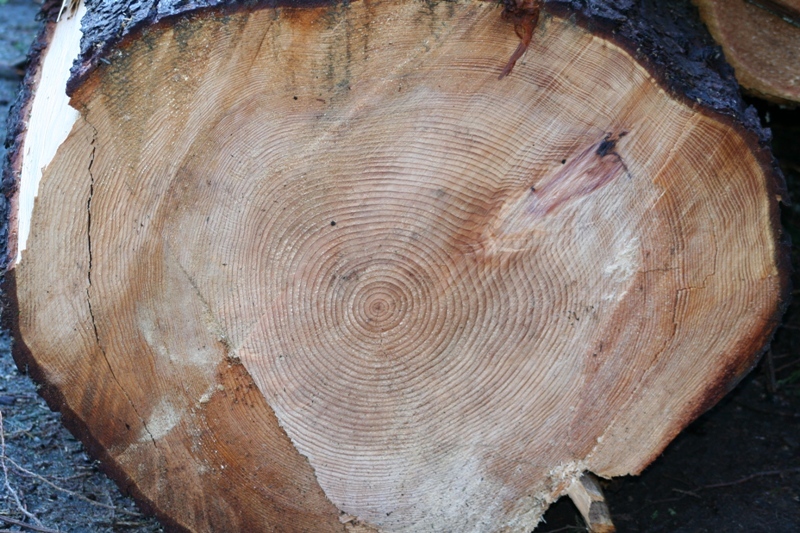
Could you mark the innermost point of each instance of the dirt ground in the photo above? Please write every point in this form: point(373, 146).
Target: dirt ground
point(737, 468)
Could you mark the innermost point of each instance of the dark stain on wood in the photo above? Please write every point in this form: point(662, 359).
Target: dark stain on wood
point(585, 173)
point(524, 14)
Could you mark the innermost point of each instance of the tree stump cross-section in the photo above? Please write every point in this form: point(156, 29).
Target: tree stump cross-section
point(314, 267)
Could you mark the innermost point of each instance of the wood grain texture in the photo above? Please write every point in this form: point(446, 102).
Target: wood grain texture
point(762, 42)
point(318, 268)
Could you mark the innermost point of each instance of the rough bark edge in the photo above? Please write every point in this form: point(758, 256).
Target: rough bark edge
point(16, 130)
point(109, 22)
point(691, 64)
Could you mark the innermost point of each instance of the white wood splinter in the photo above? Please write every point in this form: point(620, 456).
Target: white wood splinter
point(587, 495)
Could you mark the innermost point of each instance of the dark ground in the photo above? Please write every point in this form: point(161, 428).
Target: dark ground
point(737, 468)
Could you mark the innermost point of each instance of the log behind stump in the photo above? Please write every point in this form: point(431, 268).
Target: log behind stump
point(761, 40)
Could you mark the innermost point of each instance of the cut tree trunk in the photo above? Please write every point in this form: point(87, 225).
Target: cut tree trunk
point(312, 266)
point(761, 39)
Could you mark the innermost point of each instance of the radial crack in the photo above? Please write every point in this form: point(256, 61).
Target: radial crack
point(89, 286)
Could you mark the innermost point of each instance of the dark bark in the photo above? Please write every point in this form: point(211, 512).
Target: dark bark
point(670, 39)
point(667, 36)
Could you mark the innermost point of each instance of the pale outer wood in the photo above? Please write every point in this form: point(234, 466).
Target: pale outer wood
point(763, 49)
point(51, 120)
point(458, 348)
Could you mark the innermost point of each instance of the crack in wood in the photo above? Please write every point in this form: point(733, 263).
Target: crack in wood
point(89, 235)
point(89, 287)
